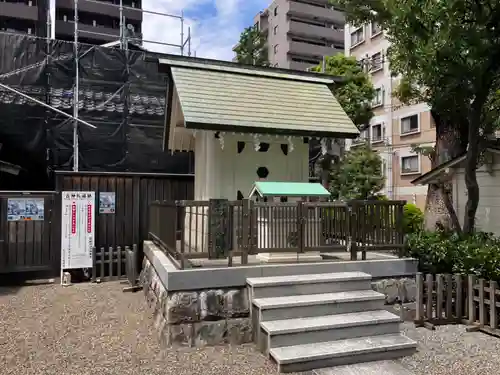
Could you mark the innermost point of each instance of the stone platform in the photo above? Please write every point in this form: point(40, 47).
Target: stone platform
point(211, 306)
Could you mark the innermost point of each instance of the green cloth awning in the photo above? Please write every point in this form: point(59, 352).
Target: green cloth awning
point(289, 189)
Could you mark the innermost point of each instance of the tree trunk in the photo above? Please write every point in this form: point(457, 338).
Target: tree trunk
point(450, 143)
point(471, 175)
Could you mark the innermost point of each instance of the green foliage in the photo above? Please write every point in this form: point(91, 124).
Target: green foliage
point(413, 218)
point(355, 93)
point(442, 252)
point(251, 48)
point(447, 53)
point(358, 175)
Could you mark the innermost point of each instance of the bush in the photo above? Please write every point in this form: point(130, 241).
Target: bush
point(444, 252)
point(413, 218)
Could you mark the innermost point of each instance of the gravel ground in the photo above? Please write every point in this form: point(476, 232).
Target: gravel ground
point(89, 329)
point(450, 350)
point(98, 329)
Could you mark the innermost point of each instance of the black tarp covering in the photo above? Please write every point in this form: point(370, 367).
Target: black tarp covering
point(120, 92)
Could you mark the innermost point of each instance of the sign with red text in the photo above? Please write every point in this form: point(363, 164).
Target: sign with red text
point(77, 229)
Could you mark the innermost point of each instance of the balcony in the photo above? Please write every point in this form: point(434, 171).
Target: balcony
point(316, 12)
point(303, 66)
point(306, 49)
point(105, 8)
point(19, 11)
point(68, 29)
point(317, 32)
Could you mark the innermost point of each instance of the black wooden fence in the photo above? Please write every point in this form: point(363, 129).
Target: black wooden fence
point(30, 245)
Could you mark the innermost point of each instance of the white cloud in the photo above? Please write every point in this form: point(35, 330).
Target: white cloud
point(213, 35)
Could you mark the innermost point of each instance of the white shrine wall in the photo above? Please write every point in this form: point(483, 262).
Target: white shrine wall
point(221, 172)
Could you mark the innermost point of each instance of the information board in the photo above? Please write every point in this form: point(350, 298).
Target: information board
point(77, 229)
point(107, 202)
point(25, 209)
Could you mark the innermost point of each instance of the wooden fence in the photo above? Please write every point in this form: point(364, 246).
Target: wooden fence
point(114, 264)
point(456, 299)
point(134, 193)
point(30, 245)
point(225, 229)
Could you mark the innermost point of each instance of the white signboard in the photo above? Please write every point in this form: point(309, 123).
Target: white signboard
point(77, 231)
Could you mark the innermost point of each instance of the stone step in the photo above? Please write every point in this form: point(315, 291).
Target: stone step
point(303, 306)
point(368, 368)
point(307, 357)
point(310, 330)
point(281, 286)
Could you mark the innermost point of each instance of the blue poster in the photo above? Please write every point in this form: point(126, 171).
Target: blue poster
point(25, 209)
point(107, 202)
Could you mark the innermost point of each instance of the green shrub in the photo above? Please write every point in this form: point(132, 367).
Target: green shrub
point(444, 252)
point(413, 218)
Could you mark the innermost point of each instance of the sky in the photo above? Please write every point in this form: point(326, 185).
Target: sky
point(215, 24)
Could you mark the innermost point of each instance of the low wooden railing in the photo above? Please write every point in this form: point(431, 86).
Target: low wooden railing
point(456, 299)
point(225, 229)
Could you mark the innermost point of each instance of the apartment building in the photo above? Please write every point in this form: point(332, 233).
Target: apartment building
point(395, 127)
point(98, 21)
point(300, 32)
point(24, 16)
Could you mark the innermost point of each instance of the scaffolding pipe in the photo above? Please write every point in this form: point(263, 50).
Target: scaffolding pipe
point(76, 98)
point(20, 93)
point(182, 33)
point(122, 30)
point(130, 39)
point(135, 9)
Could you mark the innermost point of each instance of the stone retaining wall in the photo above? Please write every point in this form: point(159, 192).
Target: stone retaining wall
point(197, 318)
point(221, 316)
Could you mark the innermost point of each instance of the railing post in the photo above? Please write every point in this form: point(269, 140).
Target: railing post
point(180, 218)
point(420, 299)
point(217, 226)
point(400, 229)
point(246, 224)
point(353, 229)
point(493, 306)
point(470, 298)
point(300, 227)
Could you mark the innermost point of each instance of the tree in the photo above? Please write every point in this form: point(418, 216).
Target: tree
point(251, 48)
point(358, 175)
point(355, 94)
point(447, 53)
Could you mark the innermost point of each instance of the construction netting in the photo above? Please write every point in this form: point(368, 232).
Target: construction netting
point(121, 92)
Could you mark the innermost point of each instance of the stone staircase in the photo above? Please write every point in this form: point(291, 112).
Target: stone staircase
point(306, 322)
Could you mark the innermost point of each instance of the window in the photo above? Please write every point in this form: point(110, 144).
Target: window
point(376, 62)
point(364, 136)
point(275, 30)
point(378, 100)
point(275, 11)
point(377, 133)
point(376, 29)
point(357, 37)
point(410, 124)
point(410, 164)
point(275, 48)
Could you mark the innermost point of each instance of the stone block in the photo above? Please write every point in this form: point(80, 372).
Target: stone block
point(182, 307)
point(209, 333)
point(396, 290)
point(239, 331)
point(177, 335)
point(211, 304)
point(236, 303)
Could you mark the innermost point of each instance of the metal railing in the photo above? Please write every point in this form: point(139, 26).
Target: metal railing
point(222, 229)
